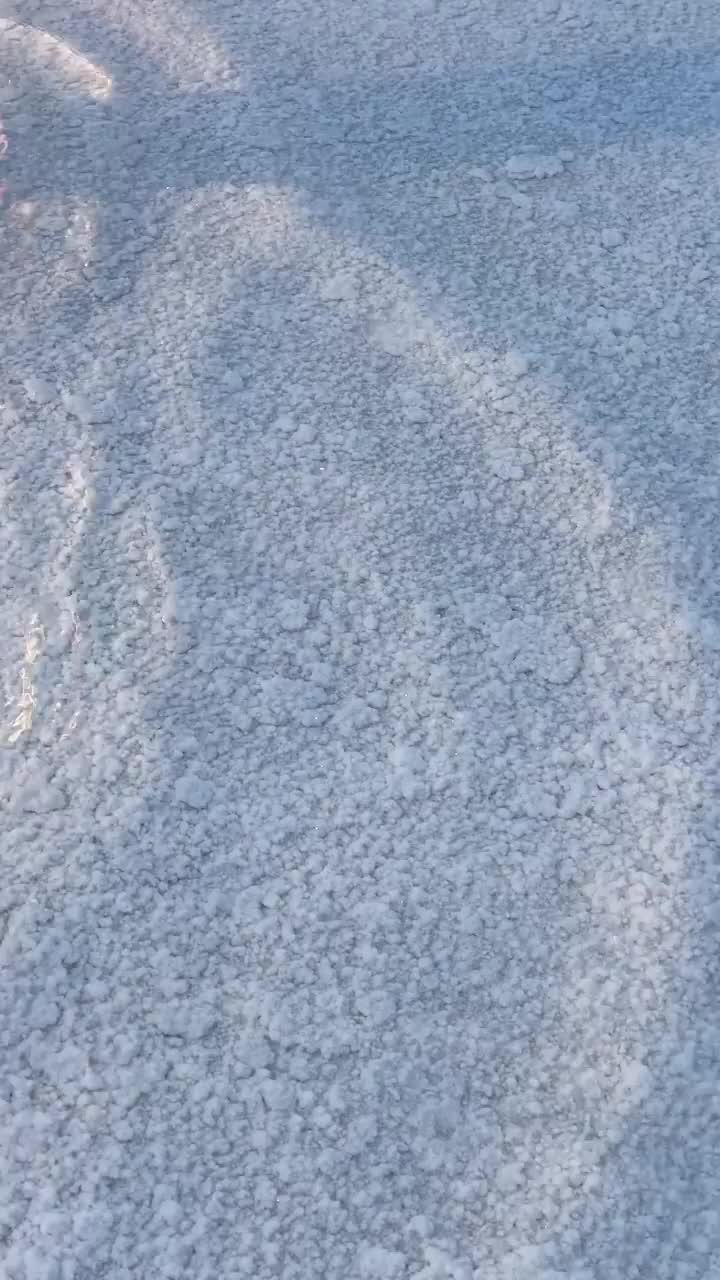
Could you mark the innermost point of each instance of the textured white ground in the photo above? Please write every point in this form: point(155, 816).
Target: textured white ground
point(359, 643)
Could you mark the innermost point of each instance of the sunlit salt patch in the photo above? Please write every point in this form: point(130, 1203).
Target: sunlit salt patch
point(534, 166)
point(80, 233)
point(22, 700)
point(394, 337)
point(508, 462)
point(181, 43)
point(413, 406)
point(541, 647)
point(55, 55)
point(340, 287)
point(404, 329)
point(529, 649)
